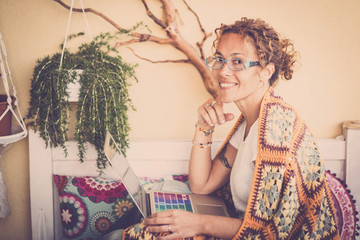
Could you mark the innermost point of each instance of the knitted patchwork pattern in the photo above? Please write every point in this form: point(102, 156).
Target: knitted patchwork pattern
point(268, 191)
point(277, 131)
point(290, 197)
point(285, 220)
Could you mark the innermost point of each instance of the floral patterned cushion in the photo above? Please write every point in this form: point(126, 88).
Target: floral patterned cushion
point(347, 221)
point(90, 207)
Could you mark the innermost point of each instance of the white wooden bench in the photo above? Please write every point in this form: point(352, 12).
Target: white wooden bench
point(149, 158)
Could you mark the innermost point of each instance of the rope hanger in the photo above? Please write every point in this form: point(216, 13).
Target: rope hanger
point(74, 87)
point(68, 26)
point(5, 73)
point(5, 141)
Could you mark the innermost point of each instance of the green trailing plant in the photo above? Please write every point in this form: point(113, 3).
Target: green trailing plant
point(103, 99)
point(48, 104)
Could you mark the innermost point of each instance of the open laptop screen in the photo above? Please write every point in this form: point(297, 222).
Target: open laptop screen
point(125, 173)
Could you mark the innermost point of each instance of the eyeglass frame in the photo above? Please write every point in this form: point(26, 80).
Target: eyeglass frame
point(248, 64)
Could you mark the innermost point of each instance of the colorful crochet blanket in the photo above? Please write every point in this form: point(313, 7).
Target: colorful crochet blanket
point(290, 196)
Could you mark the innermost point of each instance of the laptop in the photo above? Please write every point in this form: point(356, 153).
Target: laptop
point(149, 202)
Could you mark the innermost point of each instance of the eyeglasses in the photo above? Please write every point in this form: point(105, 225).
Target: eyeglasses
point(235, 63)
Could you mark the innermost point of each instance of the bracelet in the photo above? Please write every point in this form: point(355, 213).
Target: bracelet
point(206, 132)
point(201, 145)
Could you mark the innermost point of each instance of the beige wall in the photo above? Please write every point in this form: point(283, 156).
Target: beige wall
point(325, 89)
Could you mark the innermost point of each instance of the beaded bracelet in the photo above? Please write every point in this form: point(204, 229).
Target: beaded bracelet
point(206, 132)
point(201, 145)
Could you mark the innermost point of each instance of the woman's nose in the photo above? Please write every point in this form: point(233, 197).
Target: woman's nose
point(225, 71)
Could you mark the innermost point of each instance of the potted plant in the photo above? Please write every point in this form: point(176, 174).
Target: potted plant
point(103, 98)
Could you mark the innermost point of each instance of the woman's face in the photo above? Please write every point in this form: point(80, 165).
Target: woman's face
point(238, 86)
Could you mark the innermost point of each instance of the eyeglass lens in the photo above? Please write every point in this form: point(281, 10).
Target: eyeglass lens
point(233, 63)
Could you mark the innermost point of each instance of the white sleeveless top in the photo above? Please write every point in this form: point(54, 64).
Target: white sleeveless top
point(244, 165)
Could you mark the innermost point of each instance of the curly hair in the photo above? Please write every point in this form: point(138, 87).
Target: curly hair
point(268, 43)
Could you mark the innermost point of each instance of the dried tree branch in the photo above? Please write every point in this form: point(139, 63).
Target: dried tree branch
point(91, 11)
point(133, 34)
point(206, 35)
point(170, 13)
point(119, 44)
point(160, 61)
point(174, 38)
point(152, 16)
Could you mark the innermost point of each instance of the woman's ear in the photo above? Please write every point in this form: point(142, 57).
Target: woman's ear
point(267, 72)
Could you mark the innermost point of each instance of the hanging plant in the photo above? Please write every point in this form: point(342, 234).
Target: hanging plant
point(103, 100)
point(48, 104)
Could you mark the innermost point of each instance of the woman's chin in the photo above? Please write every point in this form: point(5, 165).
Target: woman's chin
point(226, 99)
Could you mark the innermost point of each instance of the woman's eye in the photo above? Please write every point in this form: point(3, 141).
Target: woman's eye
point(217, 59)
point(237, 61)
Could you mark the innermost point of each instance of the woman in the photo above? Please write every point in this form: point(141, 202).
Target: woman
point(270, 158)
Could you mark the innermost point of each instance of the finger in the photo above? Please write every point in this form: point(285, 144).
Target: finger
point(229, 116)
point(157, 221)
point(223, 117)
point(204, 117)
point(158, 228)
point(212, 115)
point(162, 214)
point(219, 110)
point(208, 113)
point(214, 110)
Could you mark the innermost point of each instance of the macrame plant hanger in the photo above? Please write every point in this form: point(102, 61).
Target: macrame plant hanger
point(74, 87)
point(16, 132)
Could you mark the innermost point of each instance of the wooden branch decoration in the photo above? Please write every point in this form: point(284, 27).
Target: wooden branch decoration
point(195, 57)
point(161, 61)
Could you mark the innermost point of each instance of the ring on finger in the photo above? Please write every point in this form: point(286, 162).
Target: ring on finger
point(207, 105)
point(213, 103)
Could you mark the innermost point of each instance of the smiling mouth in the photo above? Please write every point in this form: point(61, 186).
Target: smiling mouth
point(224, 86)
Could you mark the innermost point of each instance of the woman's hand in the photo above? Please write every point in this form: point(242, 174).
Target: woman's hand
point(211, 113)
point(179, 223)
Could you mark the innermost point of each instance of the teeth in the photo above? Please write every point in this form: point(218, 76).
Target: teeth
point(227, 84)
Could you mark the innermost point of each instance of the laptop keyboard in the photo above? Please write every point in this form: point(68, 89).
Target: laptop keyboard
point(168, 201)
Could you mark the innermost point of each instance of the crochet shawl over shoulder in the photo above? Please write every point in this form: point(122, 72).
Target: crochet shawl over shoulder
point(290, 197)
